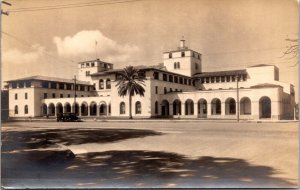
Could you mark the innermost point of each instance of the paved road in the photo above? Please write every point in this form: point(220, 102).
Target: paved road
point(149, 154)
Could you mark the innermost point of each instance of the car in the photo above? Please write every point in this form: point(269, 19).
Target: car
point(67, 117)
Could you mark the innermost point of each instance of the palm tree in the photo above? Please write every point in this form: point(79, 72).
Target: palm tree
point(130, 83)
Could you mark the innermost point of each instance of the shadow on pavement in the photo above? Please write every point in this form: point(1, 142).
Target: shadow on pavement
point(148, 169)
point(46, 138)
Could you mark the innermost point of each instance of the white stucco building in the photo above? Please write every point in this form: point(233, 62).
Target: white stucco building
point(178, 86)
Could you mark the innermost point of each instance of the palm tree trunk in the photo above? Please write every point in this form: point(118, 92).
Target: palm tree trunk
point(130, 114)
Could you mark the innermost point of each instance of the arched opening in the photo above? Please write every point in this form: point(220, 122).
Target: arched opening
point(84, 109)
point(165, 108)
point(103, 109)
point(51, 110)
point(67, 107)
point(177, 107)
point(265, 107)
point(202, 107)
point(16, 110)
point(230, 106)
point(59, 108)
point(108, 84)
point(26, 109)
point(93, 109)
point(138, 107)
point(245, 106)
point(216, 106)
point(122, 108)
point(76, 108)
point(44, 110)
point(189, 107)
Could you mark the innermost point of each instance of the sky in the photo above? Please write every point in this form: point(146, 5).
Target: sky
point(49, 37)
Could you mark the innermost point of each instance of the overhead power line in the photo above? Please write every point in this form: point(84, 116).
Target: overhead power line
point(68, 6)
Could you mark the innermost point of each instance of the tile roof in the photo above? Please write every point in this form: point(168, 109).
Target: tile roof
point(220, 73)
point(53, 79)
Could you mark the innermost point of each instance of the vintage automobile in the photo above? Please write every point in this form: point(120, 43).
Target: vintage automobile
point(67, 117)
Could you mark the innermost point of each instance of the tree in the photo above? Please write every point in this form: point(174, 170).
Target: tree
point(131, 82)
point(291, 51)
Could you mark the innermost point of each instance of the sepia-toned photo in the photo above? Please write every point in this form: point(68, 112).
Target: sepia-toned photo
point(149, 94)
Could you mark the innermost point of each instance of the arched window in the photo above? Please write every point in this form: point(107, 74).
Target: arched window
point(108, 84)
point(156, 107)
point(16, 110)
point(122, 108)
point(101, 84)
point(138, 108)
point(26, 109)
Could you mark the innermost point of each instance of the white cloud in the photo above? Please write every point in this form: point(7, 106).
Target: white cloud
point(82, 46)
point(18, 57)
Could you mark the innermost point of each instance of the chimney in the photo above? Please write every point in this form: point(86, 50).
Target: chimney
point(182, 43)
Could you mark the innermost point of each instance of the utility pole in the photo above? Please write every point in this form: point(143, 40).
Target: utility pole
point(75, 94)
point(238, 98)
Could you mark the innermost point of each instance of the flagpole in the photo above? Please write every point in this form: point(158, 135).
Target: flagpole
point(96, 48)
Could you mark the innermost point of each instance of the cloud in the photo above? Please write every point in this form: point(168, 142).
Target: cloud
point(16, 56)
point(82, 46)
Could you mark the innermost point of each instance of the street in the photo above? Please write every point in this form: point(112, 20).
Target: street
point(149, 154)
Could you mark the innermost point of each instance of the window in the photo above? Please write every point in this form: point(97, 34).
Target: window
point(53, 85)
point(190, 82)
point(156, 107)
point(222, 78)
point(233, 78)
point(178, 65)
point(212, 79)
point(185, 81)
point(156, 75)
point(183, 54)
point(156, 89)
point(122, 108)
point(171, 90)
point(138, 108)
point(87, 73)
point(16, 110)
point(175, 65)
point(44, 84)
point(27, 84)
point(87, 64)
point(93, 64)
point(207, 80)
point(170, 78)
point(165, 77)
point(108, 84)
point(180, 80)
point(53, 95)
point(69, 95)
point(165, 90)
point(82, 95)
point(82, 65)
point(170, 55)
point(61, 86)
point(16, 96)
point(14, 85)
point(45, 95)
point(61, 95)
point(21, 85)
point(176, 79)
point(227, 78)
point(101, 84)
point(217, 79)
point(81, 88)
point(69, 86)
point(26, 96)
point(26, 109)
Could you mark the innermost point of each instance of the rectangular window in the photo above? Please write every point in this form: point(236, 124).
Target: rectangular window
point(185, 81)
point(21, 85)
point(81, 88)
point(53, 95)
point(176, 79)
point(233, 78)
point(156, 75)
point(69, 95)
point(87, 73)
point(171, 90)
point(180, 80)
point(26, 96)
point(69, 86)
point(87, 64)
point(61, 86)
point(165, 90)
point(183, 54)
point(45, 95)
point(93, 64)
point(14, 85)
point(164, 77)
point(16, 96)
point(44, 84)
point(227, 78)
point(61, 95)
point(212, 79)
point(27, 84)
point(156, 89)
point(217, 79)
point(170, 78)
point(170, 55)
point(53, 85)
point(207, 80)
point(222, 78)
